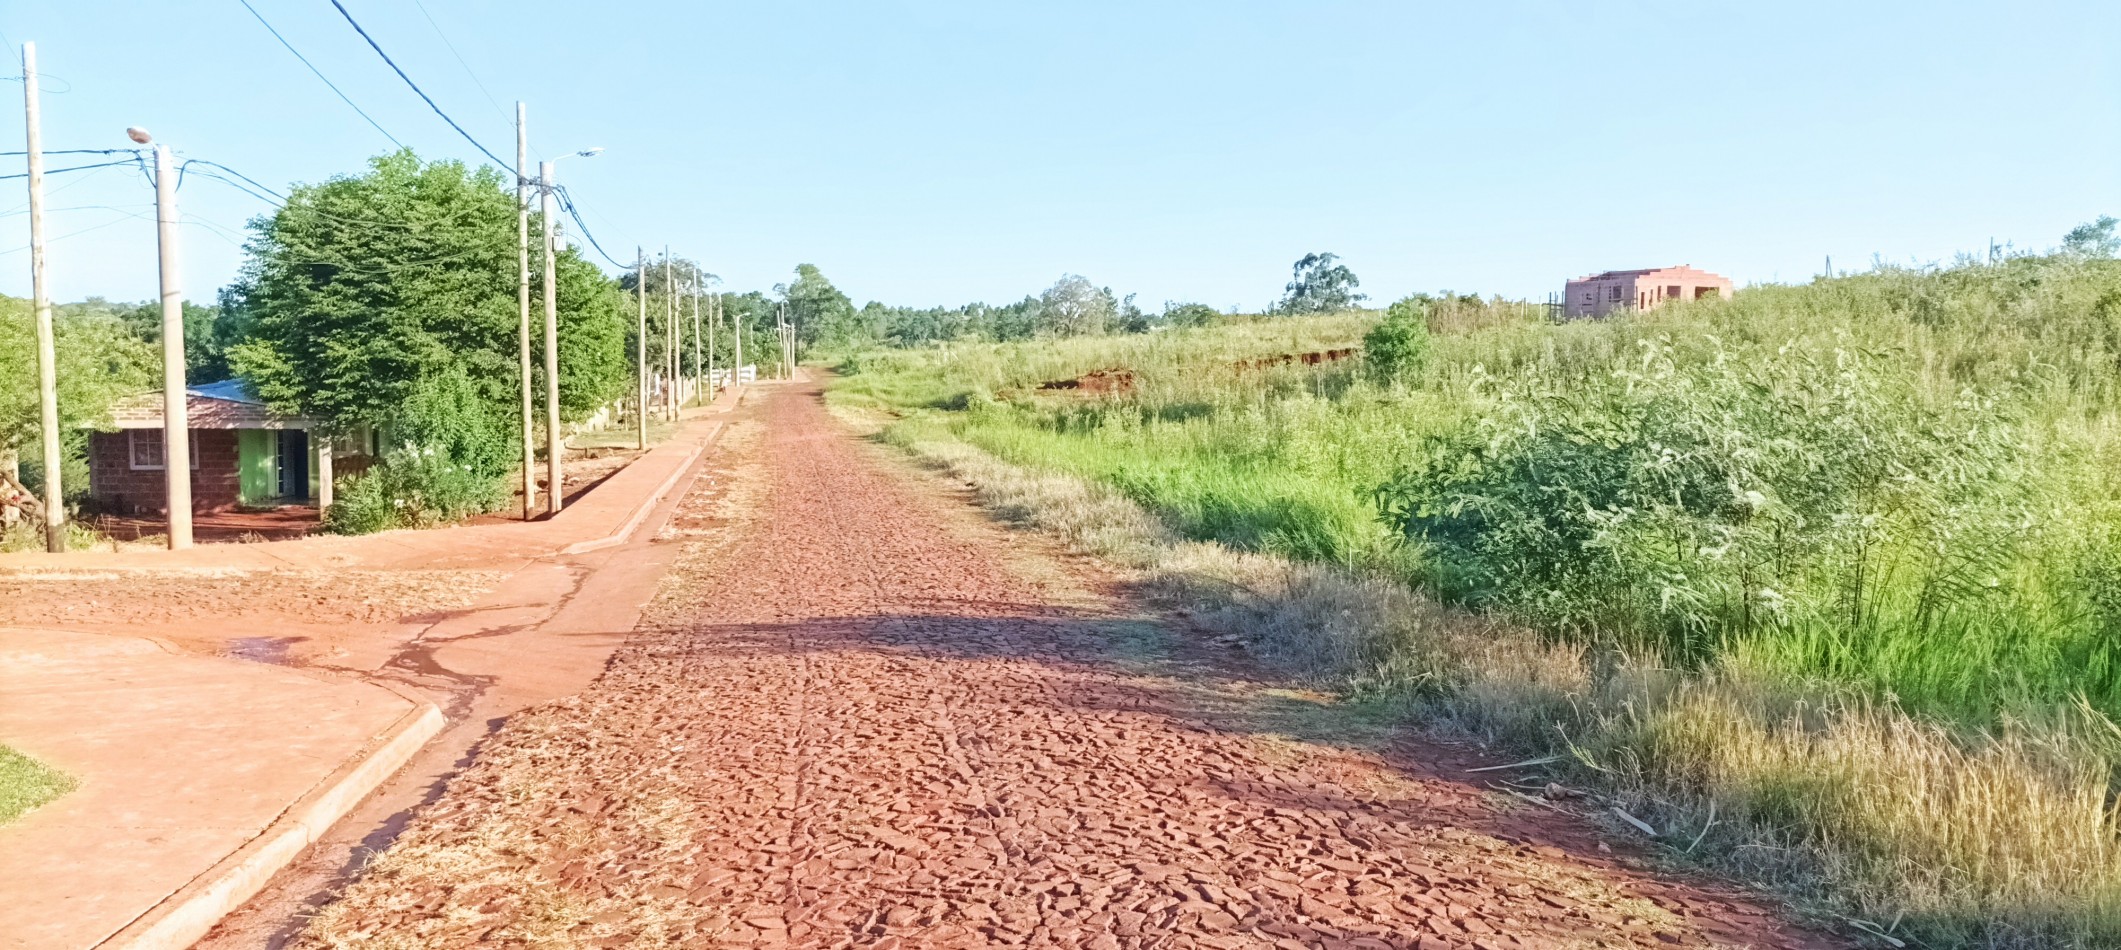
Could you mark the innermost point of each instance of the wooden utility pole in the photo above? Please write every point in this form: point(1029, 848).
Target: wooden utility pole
point(736, 373)
point(640, 349)
point(176, 420)
point(555, 493)
point(530, 432)
point(714, 315)
point(698, 368)
point(40, 292)
point(787, 345)
point(670, 331)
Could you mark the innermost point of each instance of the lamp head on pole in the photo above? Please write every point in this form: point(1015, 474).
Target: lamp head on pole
point(139, 135)
point(590, 152)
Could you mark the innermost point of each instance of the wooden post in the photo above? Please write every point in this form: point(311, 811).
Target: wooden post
point(530, 432)
point(323, 448)
point(640, 349)
point(555, 493)
point(40, 292)
point(698, 368)
point(176, 419)
point(670, 349)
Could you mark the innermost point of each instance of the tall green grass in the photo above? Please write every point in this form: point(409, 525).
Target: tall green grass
point(1840, 562)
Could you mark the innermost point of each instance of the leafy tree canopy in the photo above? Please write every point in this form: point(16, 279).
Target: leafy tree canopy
point(99, 361)
point(1178, 314)
point(360, 286)
point(822, 315)
point(1074, 306)
point(1321, 285)
point(2094, 239)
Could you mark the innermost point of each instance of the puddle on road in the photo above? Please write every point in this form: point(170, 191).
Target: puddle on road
point(263, 649)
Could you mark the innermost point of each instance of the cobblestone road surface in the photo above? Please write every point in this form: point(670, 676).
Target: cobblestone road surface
point(858, 715)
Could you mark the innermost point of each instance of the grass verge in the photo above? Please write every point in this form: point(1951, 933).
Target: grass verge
point(26, 784)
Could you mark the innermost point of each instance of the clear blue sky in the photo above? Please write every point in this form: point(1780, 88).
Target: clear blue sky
point(937, 153)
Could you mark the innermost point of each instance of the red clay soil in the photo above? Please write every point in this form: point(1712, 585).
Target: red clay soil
point(219, 527)
point(1317, 358)
point(859, 714)
point(1103, 382)
point(584, 472)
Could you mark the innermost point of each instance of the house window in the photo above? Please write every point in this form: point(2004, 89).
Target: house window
point(145, 446)
point(1613, 293)
point(1674, 291)
point(1700, 292)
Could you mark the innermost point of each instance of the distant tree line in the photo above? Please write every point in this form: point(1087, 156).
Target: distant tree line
point(826, 320)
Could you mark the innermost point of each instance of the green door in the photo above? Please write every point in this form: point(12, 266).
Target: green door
point(257, 462)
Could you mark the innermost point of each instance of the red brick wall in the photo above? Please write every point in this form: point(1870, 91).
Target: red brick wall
point(119, 488)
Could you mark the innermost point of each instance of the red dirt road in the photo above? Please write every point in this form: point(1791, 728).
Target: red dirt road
point(858, 714)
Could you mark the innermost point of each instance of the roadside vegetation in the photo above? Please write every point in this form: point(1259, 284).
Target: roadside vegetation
point(25, 784)
point(381, 302)
point(1819, 582)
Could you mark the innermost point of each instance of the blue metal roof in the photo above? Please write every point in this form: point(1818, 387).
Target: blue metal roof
point(230, 390)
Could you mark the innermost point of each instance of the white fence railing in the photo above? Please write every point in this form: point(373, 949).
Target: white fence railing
point(615, 413)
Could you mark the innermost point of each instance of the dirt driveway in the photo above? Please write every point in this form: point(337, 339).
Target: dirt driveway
point(859, 714)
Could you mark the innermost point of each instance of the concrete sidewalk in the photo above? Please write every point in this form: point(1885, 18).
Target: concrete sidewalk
point(195, 773)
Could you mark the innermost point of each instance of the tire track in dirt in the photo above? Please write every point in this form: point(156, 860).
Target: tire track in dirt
point(857, 715)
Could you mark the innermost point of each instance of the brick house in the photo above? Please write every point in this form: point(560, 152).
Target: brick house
point(1600, 294)
point(241, 455)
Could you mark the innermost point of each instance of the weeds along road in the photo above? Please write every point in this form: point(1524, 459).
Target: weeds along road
point(857, 713)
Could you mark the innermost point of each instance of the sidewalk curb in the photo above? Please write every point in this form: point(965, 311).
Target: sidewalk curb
point(186, 915)
point(648, 504)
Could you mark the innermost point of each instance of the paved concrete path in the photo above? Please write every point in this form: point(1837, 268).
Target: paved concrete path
point(182, 761)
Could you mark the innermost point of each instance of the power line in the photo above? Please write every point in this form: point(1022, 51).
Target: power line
point(22, 211)
point(234, 184)
point(277, 199)
point(319, 73)
point(73, 168)
point(356, 24)
point(254, 182)
point(94, 227)
point(83, 151)
point(567, 203)
point(468, 71)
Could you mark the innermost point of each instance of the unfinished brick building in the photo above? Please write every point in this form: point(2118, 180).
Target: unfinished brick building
point(1600, 294)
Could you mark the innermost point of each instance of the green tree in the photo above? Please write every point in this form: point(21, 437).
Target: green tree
point(595, 364)
point(823, 316)
point(1397, 350)
point(362, 286)
point(2094, 239)
point(1321, 285)
point(1074, 306)
point(99, 362)
point(667, 277)
point(1189, 314)
point(208, 333)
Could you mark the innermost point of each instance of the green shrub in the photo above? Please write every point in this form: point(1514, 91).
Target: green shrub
point(1397, 350)
point(452, 462)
